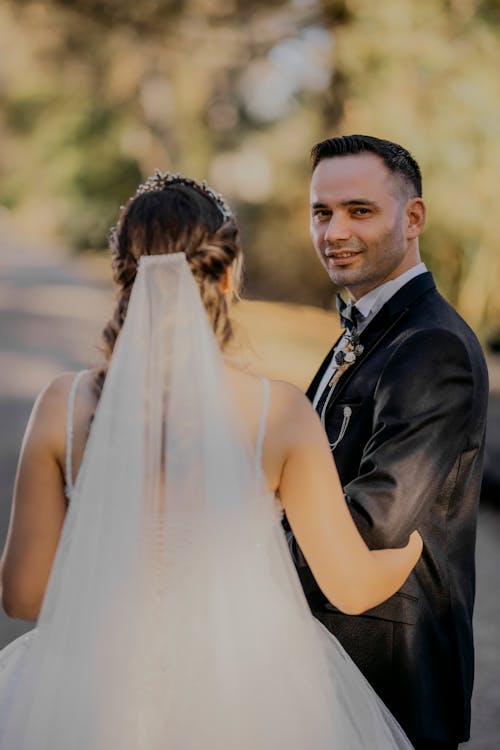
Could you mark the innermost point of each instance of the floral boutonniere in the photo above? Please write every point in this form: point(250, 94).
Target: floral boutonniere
point(347, 355)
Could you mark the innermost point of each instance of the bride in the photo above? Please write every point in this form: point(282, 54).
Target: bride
point(146, 528)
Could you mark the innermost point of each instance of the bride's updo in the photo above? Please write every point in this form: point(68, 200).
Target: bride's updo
point(172, 214)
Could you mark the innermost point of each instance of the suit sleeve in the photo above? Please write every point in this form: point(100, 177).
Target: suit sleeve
point(422, 415)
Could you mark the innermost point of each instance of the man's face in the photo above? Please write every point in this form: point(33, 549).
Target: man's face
point(359, 222)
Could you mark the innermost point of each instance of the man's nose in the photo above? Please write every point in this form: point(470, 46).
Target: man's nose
point(338, 229)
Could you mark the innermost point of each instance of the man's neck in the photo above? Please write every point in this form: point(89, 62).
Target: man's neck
point(372, 301)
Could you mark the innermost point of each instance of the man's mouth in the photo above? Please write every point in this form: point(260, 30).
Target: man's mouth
point(339, 257)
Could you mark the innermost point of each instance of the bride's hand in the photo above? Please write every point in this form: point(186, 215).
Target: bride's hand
point(416, 541)
point(416, 544)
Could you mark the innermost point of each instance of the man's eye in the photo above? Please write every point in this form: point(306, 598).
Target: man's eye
point(361, 211)
point(321, 215)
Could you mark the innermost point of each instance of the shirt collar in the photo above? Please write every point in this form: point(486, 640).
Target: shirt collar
point(373, 301)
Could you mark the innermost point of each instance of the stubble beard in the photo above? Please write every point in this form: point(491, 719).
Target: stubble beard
point(379, 259)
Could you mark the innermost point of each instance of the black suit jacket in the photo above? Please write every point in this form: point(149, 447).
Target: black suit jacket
point(411, 458)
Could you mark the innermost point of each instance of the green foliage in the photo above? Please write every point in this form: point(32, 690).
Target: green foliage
point(428, 78)
point(174, 85)
point(144, 16)
point(153, 17)
point(98, 188)
point(96, 94)
point(23, 113)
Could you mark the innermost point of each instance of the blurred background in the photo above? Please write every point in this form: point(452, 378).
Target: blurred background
point(95, 95)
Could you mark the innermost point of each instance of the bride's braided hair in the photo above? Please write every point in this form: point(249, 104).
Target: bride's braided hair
point(172, 214)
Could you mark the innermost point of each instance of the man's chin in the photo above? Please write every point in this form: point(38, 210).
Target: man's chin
point(344, 277)
point(355, 285)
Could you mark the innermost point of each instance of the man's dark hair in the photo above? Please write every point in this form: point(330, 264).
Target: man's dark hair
point(396, 158)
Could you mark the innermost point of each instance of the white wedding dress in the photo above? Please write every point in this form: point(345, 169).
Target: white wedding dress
point(174, 618)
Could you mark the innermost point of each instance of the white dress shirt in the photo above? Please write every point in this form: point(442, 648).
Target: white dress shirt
point(369, 305)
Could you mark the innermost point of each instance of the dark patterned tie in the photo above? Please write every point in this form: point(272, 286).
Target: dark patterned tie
point(350, 316)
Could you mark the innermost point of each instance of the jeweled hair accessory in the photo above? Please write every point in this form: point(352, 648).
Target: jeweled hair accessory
point(160, 180)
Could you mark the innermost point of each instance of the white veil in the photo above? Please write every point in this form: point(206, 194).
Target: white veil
point(174, 619)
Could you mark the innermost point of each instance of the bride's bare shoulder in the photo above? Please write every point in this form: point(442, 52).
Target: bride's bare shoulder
point(52, 398)
point(50, 409)
point(283, 393)
point(287, 395)
point(55, 394)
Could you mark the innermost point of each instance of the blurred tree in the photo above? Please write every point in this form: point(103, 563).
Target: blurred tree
point(427, 75)
point(93, 95)
point(226, 90)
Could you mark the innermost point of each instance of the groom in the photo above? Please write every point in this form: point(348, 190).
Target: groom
point(402, 396)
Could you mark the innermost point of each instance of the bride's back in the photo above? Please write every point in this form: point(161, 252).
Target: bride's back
point(247, 394)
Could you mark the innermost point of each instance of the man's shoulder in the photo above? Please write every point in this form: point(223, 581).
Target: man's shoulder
point(437, 320)
point(435, 345)
point(419, 320)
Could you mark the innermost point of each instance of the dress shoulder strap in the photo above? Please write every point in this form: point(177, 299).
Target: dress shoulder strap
point(266, 391)
point(69, 433)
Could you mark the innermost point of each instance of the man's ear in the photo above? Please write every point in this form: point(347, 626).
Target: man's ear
point(415, 215)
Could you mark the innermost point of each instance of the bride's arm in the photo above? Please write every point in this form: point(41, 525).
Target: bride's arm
point(350, 575)
point(38, 507)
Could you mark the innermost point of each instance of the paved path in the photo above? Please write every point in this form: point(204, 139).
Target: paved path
point(51, 313)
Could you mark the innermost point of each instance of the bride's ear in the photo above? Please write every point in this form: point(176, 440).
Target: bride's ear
point(226, 282)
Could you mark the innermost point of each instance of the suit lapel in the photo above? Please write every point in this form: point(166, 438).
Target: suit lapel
point(380, 328)
point(374, 336)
